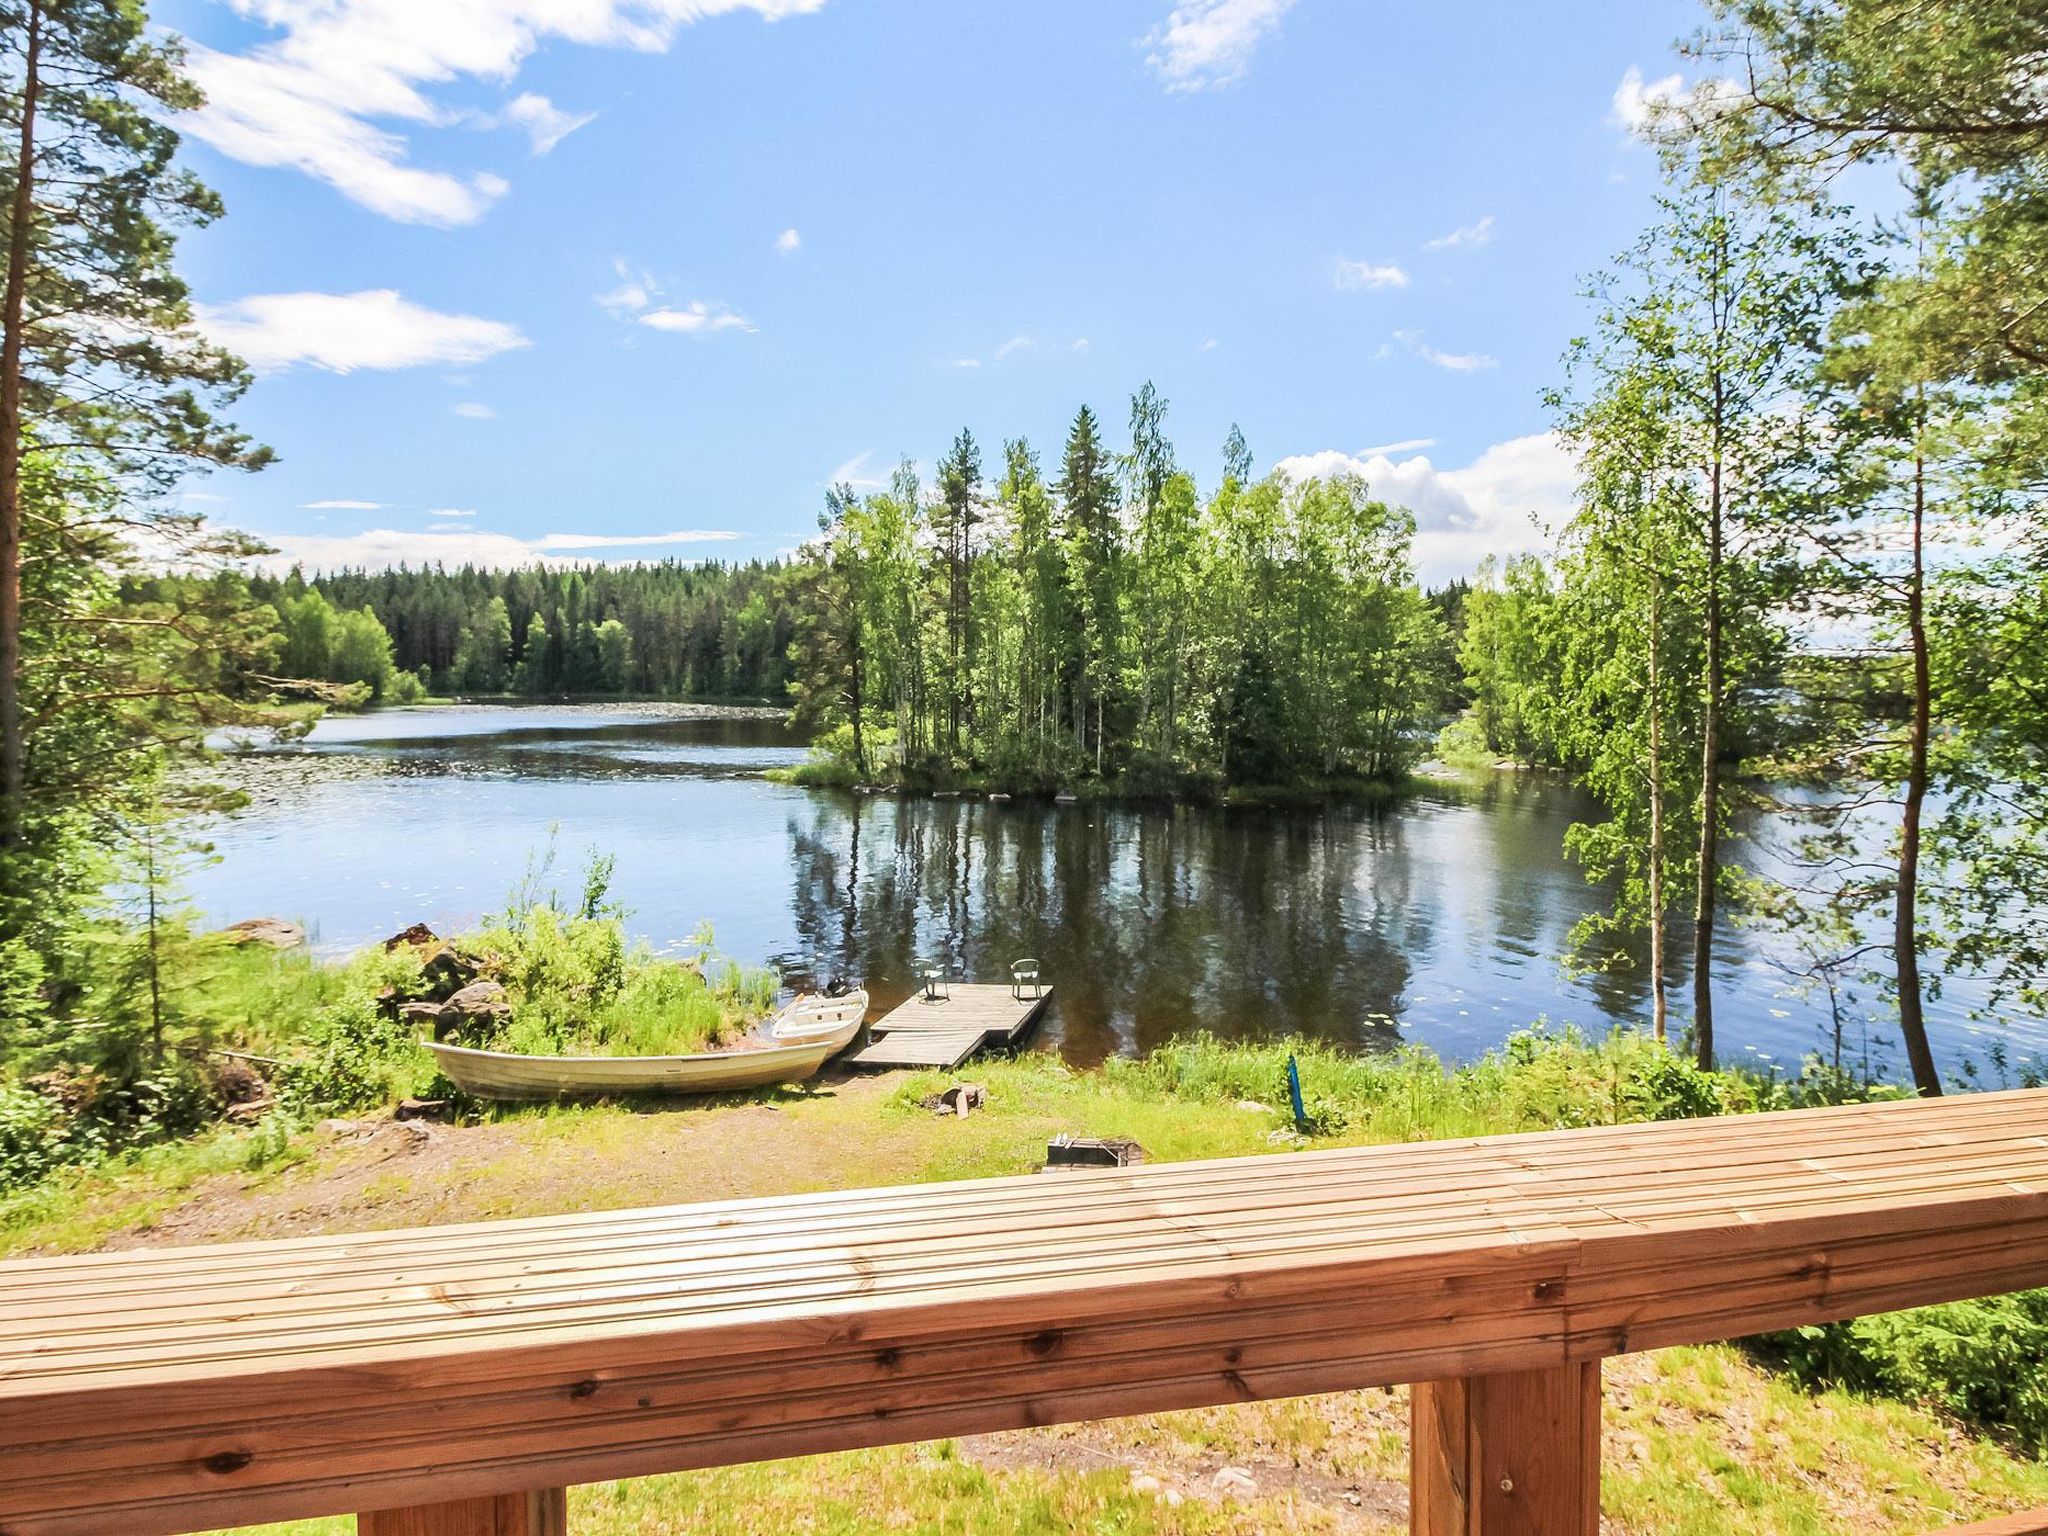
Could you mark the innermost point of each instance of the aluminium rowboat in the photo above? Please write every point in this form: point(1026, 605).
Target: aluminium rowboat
point(802, 1038)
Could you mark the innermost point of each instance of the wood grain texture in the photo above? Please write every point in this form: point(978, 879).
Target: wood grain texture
point(157, 1391)
point(1511, 1455)
point(544, 1512)
point(2032, 1523)
point(945, 1031)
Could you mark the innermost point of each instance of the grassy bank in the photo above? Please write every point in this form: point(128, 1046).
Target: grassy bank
point(1721, 1439)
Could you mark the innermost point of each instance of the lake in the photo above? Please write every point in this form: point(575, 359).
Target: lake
point(1437, 919)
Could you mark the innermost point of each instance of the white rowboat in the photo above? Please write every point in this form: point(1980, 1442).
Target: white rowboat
point(807, 1034)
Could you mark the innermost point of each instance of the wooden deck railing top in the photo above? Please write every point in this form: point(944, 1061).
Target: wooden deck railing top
point(175, 1389)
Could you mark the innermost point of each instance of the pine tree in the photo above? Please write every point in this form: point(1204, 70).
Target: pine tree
point(99, 366)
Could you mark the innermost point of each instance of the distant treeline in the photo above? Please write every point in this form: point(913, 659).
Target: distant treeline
point(710, 631)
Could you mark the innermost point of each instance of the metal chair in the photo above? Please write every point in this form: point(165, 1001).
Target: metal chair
point(1024, 973)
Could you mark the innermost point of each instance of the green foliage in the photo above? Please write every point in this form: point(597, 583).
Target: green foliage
point(1978, 1360)
point(712, 631)
point(1114, 626)
point(1540, 1079)
point(579, 987)
point(354, 1054)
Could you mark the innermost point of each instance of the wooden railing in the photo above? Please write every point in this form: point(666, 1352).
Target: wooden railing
point(452, 1380)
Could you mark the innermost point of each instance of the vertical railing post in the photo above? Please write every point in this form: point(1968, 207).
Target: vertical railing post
point(545, 1513)
point(1509, 1455)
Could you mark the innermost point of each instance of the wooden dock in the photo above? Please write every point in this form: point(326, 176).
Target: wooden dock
point(945, 1031)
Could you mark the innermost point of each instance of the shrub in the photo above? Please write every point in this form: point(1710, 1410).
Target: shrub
point(1979, 1360)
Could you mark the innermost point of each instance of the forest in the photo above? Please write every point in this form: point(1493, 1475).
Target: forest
point(708, 631)
point(1805, 572)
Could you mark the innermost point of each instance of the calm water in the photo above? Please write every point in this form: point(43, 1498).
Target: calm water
point(1437, 920)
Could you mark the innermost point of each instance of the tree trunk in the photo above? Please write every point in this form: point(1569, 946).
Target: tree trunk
point(13, 751)
point(856, 676)
point(1659, 1003)
point(1905, 915)
point(1710, 792)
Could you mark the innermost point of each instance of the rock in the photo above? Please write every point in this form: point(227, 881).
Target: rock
point(1233, 1482)
point(337, 1128)
point(479, 997)
point(273, 931)
point(1254, 1107)
point(1174, 1498)
point(250, 1112)
point(1282, 1136)
point(420, 1013)
point(1145, 1482)
point(418, 936)
point(959, 1099)
point(478, 1004)
point(446, 971)
point(421, 1109)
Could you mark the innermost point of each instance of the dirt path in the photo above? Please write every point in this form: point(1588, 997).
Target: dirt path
point(369, 1174)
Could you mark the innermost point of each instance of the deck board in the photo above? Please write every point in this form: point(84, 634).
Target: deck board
point(922, 1032)
point(169, 1390)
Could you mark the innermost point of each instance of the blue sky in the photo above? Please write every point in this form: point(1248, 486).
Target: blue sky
point(593, 273)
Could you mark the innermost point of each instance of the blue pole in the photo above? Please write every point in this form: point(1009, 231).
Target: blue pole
point(1294, 1095)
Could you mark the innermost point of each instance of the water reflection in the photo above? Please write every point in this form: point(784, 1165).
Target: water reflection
point(1437, 919)
point(1352, 924)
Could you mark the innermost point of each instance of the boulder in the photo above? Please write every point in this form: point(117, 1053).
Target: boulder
point(479, 1002)
point(419, 936)
point(272, 931)
point(447, 971)
point(420, 1013)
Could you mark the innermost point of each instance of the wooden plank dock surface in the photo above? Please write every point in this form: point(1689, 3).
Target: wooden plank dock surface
point(157, 1391)
point(945, 1031)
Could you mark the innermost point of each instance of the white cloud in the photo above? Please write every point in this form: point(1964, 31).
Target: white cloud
point(344, 506)
point(637, 291)
point(1204, 44)
point(1645, 108)
point(1456, 362)
point(789, 242)
point(384, 547)
point(317, 97)
point(1369, 275)
point(1209, 344)
point(1014, 344)
point(1512, 499)
point(1480, 233)
point(1406, 445)
point(966, 362)
point(1079, 344)
point(855, 472)
point(696, 318)
point(340, 332)
point(475, 411)
point(451, 511)
point(545, 123)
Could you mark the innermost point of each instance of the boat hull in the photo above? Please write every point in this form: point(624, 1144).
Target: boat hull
point(822, 1029)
